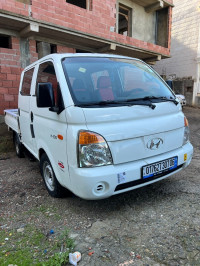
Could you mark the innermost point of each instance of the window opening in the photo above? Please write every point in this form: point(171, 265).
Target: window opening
point(162, 27)
point(5, 42)
point(53, 48)
point(81, 3)
point(124, 20)
point(37, 43)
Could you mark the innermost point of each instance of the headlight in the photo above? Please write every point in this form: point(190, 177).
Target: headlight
point(93, 150)
point(186, 131)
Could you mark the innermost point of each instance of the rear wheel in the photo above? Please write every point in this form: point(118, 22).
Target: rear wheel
point(51, 183)
point(18, 145)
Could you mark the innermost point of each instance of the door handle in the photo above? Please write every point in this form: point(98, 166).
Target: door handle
point(31, 117)
point(31, 126)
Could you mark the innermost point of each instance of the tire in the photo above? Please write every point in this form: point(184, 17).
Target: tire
point(52, 185)
point(19, 148)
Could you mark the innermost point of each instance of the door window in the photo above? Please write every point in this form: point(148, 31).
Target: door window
point(46, 73)
point(26, 84)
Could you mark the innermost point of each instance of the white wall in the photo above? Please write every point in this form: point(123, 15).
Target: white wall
point(184, 42)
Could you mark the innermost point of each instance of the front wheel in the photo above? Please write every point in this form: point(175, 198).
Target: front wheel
point(48, 175)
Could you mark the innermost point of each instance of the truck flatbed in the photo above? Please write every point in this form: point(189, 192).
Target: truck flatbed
point(12, 119)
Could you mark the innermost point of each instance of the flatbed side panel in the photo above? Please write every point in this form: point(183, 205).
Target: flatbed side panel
point(12, 119)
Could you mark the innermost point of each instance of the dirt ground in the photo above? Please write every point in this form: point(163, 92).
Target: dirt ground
point(155, 225)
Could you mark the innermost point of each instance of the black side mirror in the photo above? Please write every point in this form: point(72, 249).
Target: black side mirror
point(45, 95)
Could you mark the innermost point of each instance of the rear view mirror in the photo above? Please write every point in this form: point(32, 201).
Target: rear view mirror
point(45, 95)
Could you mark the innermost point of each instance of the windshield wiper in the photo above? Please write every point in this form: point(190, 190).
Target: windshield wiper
point(99, 103)
point(162, 98)
point(142, 101)
point(125, 102)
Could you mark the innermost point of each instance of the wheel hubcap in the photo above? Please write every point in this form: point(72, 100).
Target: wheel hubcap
point(48, 176)
point(17, 147)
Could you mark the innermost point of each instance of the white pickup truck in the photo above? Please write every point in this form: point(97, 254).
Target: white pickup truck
point(99, 124)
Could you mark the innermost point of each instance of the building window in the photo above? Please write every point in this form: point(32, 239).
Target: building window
point(5, 42)
point(162, 27)
point(53, 48)
point(86, 4)
point(124, 20)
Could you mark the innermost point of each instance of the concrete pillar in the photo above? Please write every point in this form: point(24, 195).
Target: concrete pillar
point(43, 49)
point(25, 52)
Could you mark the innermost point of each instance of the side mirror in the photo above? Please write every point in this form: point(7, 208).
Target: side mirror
point(45, 95)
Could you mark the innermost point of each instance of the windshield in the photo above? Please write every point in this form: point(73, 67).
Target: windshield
point(94, 80)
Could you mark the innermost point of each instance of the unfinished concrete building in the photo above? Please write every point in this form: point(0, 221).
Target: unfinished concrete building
point(184, 65)
point(30, 29)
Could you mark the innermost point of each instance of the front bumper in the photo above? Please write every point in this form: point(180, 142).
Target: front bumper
point(103, 182)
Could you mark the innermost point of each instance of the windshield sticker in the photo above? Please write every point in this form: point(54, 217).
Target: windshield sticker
point(121, 178)
point(81, 69)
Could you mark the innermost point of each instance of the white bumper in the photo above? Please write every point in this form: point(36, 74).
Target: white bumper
point(103, 182)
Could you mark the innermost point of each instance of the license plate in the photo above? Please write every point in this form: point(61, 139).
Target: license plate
point(159, 167)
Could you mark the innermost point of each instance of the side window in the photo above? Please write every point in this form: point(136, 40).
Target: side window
point(26, 84)
point(46, 73)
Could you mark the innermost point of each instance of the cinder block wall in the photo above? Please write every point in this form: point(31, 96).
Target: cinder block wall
point(10, 71)
point(97, 21)
point(184, 41)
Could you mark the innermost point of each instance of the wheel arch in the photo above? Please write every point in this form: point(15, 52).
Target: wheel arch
point(41, 152)
point(61, 176)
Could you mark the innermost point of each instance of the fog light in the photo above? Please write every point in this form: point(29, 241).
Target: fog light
point(100, 188)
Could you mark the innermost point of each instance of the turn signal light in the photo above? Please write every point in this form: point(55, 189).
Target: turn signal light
point(86, 138)
point(186, 122)
point(60, 137)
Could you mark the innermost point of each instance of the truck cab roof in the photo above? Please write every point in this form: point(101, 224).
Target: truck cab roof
point(57, 57)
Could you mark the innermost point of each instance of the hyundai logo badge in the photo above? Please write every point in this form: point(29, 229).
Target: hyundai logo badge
point(154, 144)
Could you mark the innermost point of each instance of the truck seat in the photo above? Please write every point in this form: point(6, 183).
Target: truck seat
point(104, 88)
point(80, 91)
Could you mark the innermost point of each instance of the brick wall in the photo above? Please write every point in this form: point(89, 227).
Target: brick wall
point(62, 49)
point(15, 7)
point(32, 50)
point(96, 22)
point(10, 71)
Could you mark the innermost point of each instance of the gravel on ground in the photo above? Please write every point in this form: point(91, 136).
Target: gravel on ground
point(155, 225)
